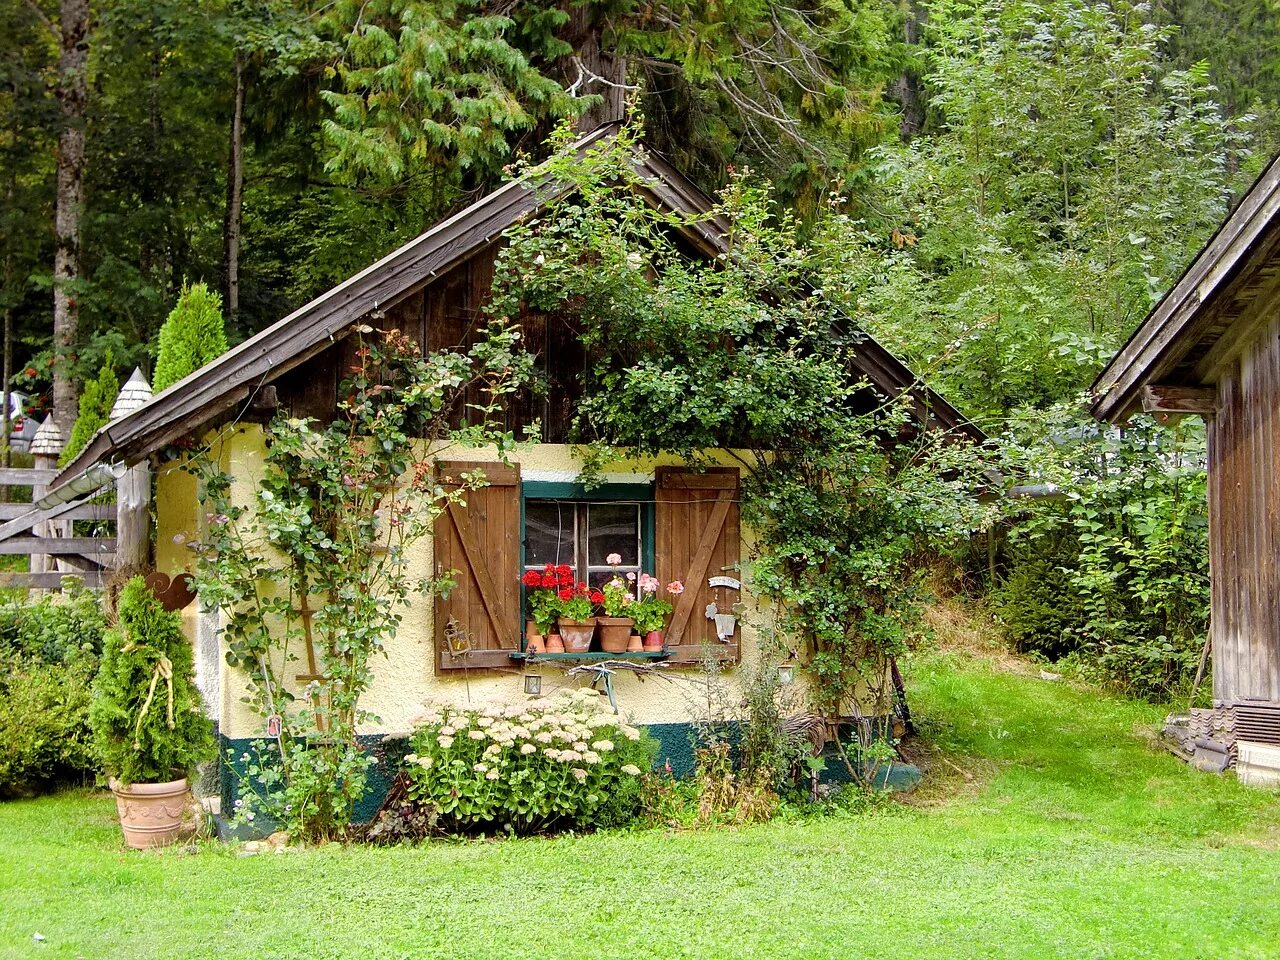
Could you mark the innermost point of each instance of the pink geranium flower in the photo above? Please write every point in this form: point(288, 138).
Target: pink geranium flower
point(675, 588)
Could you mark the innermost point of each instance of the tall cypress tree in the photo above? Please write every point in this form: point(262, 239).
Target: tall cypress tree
point(193, 335)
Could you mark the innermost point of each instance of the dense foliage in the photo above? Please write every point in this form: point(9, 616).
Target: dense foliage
point(149, 724)
point(1112, 575)
point(329, 529)
point(97, 397)
point(563, 762)
point(192, 336)
point(743, 352)
point(48, 657)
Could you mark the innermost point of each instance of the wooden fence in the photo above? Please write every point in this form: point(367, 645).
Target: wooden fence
point(54, 549)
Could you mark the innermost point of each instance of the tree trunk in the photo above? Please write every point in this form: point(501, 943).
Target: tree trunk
point(235, 197)
point(906, 90)
point(72, 97)
point(594, 70)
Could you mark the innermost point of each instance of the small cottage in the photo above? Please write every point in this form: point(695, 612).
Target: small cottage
point(657, 516)
point(1211, 349)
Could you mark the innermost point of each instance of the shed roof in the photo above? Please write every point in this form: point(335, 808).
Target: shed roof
point(233, 378)
point(1191, 336)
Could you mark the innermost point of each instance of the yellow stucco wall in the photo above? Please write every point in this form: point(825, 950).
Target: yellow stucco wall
point(405, 679)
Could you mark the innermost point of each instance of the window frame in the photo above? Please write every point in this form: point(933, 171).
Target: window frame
point(638, 493)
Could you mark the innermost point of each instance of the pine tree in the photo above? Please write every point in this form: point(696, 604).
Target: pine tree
point(193, 335)
point(148, 722)
point(96, 400)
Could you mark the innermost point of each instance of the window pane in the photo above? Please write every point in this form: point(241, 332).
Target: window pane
point(598, 577)
point(613, 528)
point(549, 533)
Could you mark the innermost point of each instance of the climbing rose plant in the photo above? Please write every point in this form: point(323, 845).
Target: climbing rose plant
point(744, 352)
point(328, 530)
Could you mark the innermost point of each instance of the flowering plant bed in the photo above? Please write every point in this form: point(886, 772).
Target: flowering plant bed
point(561, 762)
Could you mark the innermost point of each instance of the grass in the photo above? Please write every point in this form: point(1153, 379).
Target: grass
point(1052, 826)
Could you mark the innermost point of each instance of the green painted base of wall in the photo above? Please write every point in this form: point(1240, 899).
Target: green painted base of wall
point(676, 744)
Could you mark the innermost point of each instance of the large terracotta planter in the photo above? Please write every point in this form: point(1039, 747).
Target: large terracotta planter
point(151, 813)
point(615, 633)
point(577, 634)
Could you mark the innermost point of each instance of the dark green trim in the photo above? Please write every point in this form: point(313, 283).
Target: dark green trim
point(548, 490)
point(676, 745)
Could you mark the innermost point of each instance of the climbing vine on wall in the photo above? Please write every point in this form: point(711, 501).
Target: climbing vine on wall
point(311, 567)
point(743, 352)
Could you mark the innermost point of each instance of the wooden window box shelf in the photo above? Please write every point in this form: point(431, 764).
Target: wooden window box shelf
point(594, 655)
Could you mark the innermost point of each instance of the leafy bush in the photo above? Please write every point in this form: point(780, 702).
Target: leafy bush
point(1114, 575)
point(57, 628)
point(565, 761)
point(48, 656)
point(44, 724)
point(148, 721)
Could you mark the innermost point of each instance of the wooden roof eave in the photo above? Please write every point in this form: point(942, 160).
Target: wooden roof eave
point(296, 338)
point(1176, 324)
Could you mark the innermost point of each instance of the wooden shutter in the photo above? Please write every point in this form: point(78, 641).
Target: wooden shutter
point(478, 623)
point(698, 536)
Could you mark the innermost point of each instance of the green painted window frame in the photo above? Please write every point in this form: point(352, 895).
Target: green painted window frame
point(641, 493)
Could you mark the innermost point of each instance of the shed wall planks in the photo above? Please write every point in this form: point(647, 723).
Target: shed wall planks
point(1244, 510)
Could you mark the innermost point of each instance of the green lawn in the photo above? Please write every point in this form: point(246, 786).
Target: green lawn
point(1074, 836)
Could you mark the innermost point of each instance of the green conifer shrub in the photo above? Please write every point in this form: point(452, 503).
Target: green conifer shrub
point(147, 718)
point(96, 400)
point(192, 336)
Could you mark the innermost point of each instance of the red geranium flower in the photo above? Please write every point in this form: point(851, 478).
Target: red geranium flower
point(582, 588)
point(564, 568)
point(597, 596)
point(564, 579)
point(549, 581)
point(532, 578)
point(565, 594)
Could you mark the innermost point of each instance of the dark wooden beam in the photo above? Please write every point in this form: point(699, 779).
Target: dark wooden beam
point(1177, 399)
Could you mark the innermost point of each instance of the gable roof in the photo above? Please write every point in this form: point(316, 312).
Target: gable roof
point(234, 377)
point(1193, 331)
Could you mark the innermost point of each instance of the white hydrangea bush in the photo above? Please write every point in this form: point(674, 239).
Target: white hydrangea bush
point(560, 762)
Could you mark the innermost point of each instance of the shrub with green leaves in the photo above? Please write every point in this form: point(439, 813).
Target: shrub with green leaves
point(192, 336)
point(45, 740)
point(148, 721)
point(48, 656)
point(1115, 573)
point(561, 762)
point(57, 628)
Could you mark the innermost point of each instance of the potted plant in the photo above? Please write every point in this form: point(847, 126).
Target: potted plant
point(616, 599)
point(577, 626)
point(651, 613)
point(540, 587)
point(148, 723)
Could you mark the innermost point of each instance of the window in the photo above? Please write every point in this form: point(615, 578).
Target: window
point(582, 529)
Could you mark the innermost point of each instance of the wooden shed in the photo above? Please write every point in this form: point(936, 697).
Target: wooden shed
point(1211, 348)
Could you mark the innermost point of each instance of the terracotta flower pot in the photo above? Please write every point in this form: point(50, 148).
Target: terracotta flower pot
point(634, 644)
point(533, 642)
point(554, 643)
point(615, 633)
point(151, 813)
point(653, 641)
point(577, 634)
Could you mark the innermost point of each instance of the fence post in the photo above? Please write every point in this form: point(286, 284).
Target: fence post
point(133, 490)
point(46, 447)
